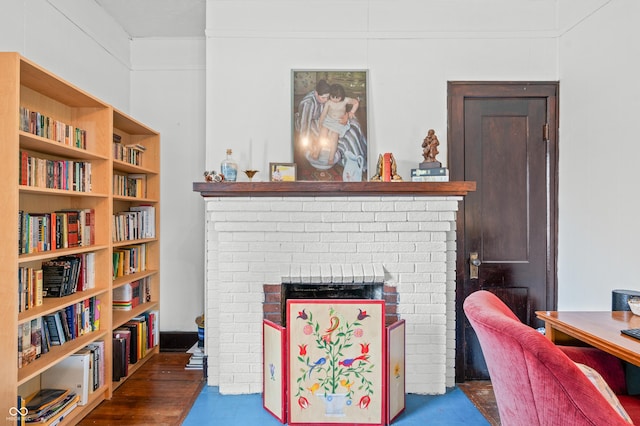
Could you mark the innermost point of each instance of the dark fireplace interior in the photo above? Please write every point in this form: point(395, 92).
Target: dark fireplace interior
point(276, 296)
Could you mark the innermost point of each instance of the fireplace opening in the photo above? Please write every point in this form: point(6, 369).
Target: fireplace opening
point(327, 291)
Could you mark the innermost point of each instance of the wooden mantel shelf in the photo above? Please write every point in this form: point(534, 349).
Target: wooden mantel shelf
point(331, 189)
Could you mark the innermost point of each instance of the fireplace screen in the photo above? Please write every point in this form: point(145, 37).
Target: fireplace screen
point(336, 361)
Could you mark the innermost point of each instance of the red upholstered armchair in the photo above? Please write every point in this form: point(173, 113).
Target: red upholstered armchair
point(538, 383)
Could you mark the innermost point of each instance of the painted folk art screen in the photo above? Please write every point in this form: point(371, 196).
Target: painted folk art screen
point(336, 362)
point(274, 374)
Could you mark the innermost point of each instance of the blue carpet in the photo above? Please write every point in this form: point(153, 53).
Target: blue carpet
point(211, 408)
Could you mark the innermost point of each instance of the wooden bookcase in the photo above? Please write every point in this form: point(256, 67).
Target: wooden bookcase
point(26, 85)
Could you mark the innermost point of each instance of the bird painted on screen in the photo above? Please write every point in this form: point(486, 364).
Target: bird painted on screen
point(314, 388)
point(345, 383)
point(319, 362)
point(362, 314)
point(349, 361)
point(335, 322)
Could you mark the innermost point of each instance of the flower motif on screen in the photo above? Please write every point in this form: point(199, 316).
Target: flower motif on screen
point(303, 350)
point(364, 402)
point(303, 402)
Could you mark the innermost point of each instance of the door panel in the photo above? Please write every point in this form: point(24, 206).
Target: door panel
point(498, 139)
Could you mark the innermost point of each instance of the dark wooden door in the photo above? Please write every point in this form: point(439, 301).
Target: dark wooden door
point(503, 137)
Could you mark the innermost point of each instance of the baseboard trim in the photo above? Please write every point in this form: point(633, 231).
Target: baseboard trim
point(177, 341)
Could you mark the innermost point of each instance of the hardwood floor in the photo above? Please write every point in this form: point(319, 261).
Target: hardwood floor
point(480, 392)
point(161, 392)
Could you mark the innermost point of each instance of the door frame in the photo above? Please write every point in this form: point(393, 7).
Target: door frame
point(457, 93)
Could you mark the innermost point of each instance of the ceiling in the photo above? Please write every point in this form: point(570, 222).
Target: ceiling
point(158, 18)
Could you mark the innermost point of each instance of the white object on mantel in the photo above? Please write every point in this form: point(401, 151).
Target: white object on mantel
point(333, 274)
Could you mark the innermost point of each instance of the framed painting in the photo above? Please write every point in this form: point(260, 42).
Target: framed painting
point(329, 124)
point(336, 356)
point(274, 370)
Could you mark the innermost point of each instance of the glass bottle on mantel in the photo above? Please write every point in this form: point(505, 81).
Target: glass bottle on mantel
point(229, 168)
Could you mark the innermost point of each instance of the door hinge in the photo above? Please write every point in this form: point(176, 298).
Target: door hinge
point(545, 132)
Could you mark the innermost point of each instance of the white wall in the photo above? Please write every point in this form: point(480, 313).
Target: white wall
point(410, 48)
point(75, 40)
point(599, 152)
point(168, 95)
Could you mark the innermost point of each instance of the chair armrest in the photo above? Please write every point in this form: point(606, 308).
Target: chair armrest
point(609, 367)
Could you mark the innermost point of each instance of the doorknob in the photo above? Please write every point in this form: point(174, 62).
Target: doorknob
point(474, 263)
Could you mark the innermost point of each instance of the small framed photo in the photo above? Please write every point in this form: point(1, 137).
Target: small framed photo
point(282, 172)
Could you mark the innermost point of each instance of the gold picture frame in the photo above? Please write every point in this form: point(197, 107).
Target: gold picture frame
point(282, 172)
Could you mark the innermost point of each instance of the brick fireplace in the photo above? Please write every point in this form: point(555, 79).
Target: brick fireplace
point(258, 233)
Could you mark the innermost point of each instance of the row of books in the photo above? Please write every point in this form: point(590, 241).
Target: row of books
point(137, 223)
point(65, 386)
point(132, 341)
point(35, 337)
point(68, 175)
point(66, 275)
point(41, 125)
point(129, 295)
point(129, 260)
point(56, 278)
point(40, 232)
point(46, 407)
point(133, 185)
point(29, 288)
point(129, 153)
point(82, 372)
point(435, 174)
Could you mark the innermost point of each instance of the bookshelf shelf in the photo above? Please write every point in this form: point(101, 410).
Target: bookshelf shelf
point(120, 281)
point(121, 166)
point(120, 317)
point(50, 128)
point(57, 354)
point(50, 305)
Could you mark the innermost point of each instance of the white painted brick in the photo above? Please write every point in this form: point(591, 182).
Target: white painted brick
point(279, 236)
point(317, 227)
point(345, 206)
point(435, 226)
point(423, 216)
point(345, 227)
point(262, 234)
point(409, 206)
point(403, 227)
point(331, 217)
point(377, 206)
point(413, 236)
point(316, 247)
point(286, 206)
point(316, 207)
point(383, 236)
point(358, 217)
point(391, 217)
point(290, 227)
point(400, 247)
point(371, 227)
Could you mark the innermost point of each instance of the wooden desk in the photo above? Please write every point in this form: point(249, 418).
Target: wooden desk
point(598, 329)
